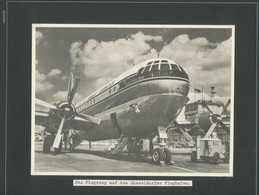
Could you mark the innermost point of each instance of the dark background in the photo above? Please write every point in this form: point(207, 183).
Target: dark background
point(21, 15)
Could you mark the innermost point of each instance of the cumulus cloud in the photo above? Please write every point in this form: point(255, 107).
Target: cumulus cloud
point(43, 81)
point(39, 37)
point(199, 52)
point(54, 73)
point(205, 62)
point(109, 59)
point(42, 84)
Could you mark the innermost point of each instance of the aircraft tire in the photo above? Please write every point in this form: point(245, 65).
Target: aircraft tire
point(47, 144)
point(158, 155)
point(226, 159)
point(193, 157)
point(216, 158)
point(168, 156)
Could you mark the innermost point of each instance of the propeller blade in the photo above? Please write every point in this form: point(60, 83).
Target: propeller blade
point(70, 82)
point(89, 118)
point(44, 104)
point(71, 94)
point(205, 105)
point(224, 126)
point(211, 129)
point(227, 104)
point(59, 134)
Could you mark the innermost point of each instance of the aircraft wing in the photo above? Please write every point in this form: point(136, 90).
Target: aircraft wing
point(41, 117)
point(184, 122)
point(82, 124)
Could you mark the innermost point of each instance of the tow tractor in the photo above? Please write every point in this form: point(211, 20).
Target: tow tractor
point(155, 147)
point(209, 148)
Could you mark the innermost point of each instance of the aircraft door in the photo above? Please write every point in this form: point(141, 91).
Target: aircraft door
point(113, 117)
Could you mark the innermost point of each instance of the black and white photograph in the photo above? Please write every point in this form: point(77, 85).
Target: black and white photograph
point(122, 100)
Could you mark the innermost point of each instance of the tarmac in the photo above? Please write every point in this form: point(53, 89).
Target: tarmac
point(84, 160)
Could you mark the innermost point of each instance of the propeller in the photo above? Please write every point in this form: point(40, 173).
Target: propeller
point(67, 109)
point(216, 118)
point(206, 106)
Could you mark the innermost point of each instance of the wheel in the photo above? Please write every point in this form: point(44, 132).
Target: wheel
point(226, 155)
point(48, 141)
point(158, 155)
point(194, 157)
point(168, 155)
point(216, 158)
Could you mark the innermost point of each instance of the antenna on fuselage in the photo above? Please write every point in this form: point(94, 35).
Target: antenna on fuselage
point(158, 55)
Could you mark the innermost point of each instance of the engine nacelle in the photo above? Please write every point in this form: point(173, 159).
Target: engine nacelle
point(205, 121)
point(55, 116)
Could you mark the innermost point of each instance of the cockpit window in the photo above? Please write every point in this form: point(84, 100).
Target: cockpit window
point(164, 61)
point(157, 61)
point(154, 67)
point(140, 70)
point(149, 63)
point(174, 67)
point(146, 69)
point(164, 67)
point(181, 68)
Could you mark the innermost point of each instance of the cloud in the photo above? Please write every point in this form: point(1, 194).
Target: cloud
point(54, 73)
point(205, 62)
point(62, 96)
point(39, 37)
point(199, 52)
point(109, 59)
point(43, 81)
point(42, 84)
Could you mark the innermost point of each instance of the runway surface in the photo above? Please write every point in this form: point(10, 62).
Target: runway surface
point(96, 160)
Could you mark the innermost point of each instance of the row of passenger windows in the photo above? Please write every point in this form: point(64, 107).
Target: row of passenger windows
point(92, 101)
point(86, 104)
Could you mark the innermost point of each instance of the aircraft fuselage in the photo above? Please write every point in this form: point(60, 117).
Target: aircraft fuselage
point(150, 94)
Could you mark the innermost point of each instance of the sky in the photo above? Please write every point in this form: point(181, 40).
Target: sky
point(98, 55)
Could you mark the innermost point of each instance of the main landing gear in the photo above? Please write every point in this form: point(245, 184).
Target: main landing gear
point(161, 156)
point(155, 147)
